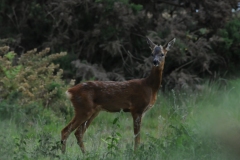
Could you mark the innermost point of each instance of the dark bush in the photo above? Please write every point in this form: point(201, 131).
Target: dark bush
point(107, 37)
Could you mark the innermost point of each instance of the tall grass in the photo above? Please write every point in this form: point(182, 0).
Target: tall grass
point(182, 125)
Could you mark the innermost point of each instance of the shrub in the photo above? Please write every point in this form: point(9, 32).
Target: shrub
point(31, 77)
point(109, 35)
point(229, 44)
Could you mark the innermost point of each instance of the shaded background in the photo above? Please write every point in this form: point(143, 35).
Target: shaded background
point(105, 38)
point(199, 118)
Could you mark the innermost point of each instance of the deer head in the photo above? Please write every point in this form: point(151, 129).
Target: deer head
point(159, 52)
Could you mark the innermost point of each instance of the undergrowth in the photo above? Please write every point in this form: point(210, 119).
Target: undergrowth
point(197, 125)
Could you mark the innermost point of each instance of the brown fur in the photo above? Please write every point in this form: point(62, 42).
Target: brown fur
point(89, 98)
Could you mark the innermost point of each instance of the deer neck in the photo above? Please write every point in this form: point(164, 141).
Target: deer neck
point(155, 78)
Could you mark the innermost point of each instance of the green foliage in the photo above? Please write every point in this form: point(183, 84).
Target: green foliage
point(10, 55)
point(7, 109)
point(229, 47)
point(136, 7)
point(110, 34)
point(113, 140)
point(33, 78)
point(45, 147)
point(55, 86)
point(200, 125)
point(10, 73)
point(231, 31)
point(20, 143)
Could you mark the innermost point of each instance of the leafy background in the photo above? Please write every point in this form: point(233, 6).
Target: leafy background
point(105, 39)
point(46, 46)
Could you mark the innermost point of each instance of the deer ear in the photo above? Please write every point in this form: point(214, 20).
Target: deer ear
point(151, 44)
point(169, 44)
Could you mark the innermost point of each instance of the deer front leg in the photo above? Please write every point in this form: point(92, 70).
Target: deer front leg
point(137, 118)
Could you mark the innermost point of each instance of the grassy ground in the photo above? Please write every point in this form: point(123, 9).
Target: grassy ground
point(193, 125)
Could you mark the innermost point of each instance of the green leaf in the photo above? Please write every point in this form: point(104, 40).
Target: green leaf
point(203, 30)
point(104, 141)
point(10, 55)
point(108, 138)
point(118, 134)
point(115, 139)
point(115, 120)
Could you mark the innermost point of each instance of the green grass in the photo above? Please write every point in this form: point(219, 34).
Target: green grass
point(182, 125)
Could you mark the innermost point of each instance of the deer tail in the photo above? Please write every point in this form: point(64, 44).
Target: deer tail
point(68, 94)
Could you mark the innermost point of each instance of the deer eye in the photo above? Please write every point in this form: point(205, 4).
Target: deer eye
point(161, 54)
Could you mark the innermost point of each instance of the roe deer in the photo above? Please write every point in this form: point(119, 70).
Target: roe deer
point(135, 96)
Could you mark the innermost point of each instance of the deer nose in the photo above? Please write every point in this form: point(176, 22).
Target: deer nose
point(155, 62)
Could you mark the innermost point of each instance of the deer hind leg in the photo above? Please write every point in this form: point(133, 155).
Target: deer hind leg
point(137, 118)
point(81, 115)
point(81, 130)
point(66, 132)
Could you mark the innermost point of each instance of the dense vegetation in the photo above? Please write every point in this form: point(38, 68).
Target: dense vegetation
point(47, 46)
point(105, 39)
point(182, 125)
